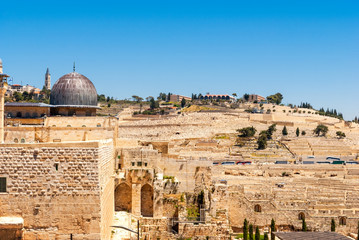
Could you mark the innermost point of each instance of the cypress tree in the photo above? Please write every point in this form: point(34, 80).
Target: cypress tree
point(251, 232)
point(332, 225)
point(297, 132)
point(272, 229)
point(285, 131)
point(265, 236)
point(304, 225)
point(258, 234)
point(245, 230)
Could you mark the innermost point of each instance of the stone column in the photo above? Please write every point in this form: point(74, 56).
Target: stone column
point(136, 199)
point(3, 88)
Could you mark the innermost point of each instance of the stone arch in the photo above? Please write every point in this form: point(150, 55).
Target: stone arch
point(342, 221)
point(147, 200)
point(18, 114)
point(123, 198)
point(301, 216)
point(257, 208)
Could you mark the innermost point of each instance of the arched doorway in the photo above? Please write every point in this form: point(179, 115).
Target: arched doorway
point(123, 198)
point(147, 201)
point(301, 216)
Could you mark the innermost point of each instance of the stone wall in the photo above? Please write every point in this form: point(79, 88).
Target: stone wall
point(58, 189)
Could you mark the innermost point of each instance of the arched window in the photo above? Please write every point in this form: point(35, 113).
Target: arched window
point(22, 140)
point(342, 221)
point(257, 208)
point(27, 115)
point(16, 140)
point(301, 216)
point(34, 115)
point(123, 198)
point(98, 125)
point(18, 114)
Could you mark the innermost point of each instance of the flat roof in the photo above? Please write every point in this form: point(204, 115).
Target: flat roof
point(310, 236)
point(27, 104)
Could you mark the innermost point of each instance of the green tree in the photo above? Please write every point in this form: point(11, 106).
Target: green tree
point(276, 98)
point(246, 97)
point(247, 132)
point(137, 98)
point(153, 104)
point(303, 133)
point(358, 231)
point(251, 232)
point(271, 130)
point(297, 132)
point(265, 236)
point(262, 140)
point(332, 225)
point(183, 102)
point(245, 229)
point(162, 96)
point(320, 130)
point(18, 96)
point(285, 131)
point(257, 234)
point(340, 134)
point(272, 229)
point(304, 225)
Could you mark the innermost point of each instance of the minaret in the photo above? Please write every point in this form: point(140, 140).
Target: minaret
point(3, 88)
point(0, 66)
point(48, 79)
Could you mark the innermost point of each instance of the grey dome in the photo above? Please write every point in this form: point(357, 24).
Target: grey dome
point(73, 89)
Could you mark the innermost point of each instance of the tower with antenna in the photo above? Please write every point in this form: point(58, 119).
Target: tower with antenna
point(48, 79)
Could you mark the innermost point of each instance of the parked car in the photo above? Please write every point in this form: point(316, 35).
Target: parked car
point(352, 162)
point(308, 162)
point(215, 163)
point(339, 162)
point(244, 163)
point(281, 162)
point(228, 163)
point(324, 162)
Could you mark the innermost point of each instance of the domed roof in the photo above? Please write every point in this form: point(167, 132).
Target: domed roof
point(73, 89)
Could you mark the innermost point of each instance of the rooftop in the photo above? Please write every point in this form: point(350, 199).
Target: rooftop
point(310, 236)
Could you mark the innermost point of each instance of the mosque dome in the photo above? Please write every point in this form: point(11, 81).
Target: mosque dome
point(73, 89)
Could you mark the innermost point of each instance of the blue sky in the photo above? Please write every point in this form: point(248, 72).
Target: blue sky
point(307, 50)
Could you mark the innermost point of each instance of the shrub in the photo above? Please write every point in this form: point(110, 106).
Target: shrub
point(320, 130)
point(285, 131)
point(258, 234)
point(272, 229)
point(304, 225)
point(245, 230)
point(303, 133)
point(340, 134)
point(262, 141)
point(332, 225)
point(297, 132)
point(251, 232)
point(247, 132)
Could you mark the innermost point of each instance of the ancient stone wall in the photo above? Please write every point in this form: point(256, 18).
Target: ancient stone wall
point(55, 188)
